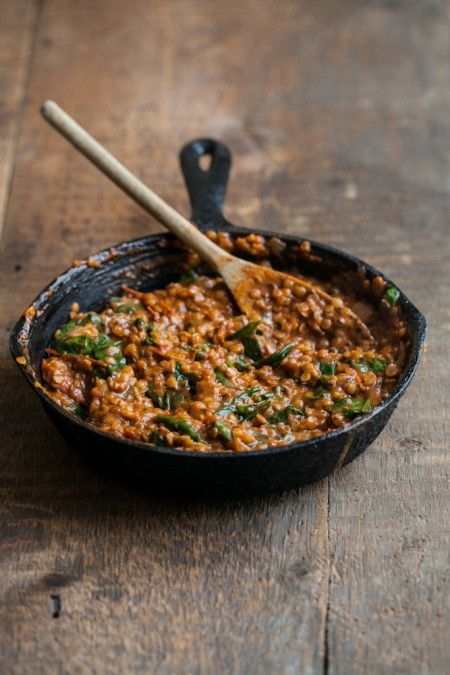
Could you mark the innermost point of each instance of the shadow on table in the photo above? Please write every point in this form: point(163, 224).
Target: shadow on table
point(40, 468)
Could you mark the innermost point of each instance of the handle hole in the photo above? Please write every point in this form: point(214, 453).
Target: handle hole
point(205, 161)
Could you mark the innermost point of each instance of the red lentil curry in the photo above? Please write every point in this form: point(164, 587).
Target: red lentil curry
point(180, 367)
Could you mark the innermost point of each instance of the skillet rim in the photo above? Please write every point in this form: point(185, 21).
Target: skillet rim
point(415, 319)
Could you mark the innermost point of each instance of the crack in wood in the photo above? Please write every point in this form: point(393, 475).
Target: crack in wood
point(328, 589)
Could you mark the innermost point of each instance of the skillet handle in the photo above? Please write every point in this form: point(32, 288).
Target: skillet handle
point(206, 187)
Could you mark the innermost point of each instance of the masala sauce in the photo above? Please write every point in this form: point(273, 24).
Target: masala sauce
point(178, 367)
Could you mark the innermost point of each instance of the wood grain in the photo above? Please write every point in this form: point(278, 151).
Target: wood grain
point(389, 513)
point(18, 21)
point(144, 585)
point(336, 114)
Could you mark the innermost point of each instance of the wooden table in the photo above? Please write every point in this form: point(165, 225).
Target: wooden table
point(337, 114)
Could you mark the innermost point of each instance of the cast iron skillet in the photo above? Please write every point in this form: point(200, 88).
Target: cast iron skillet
point(154, 261)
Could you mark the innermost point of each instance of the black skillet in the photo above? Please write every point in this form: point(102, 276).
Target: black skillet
point(152, 262)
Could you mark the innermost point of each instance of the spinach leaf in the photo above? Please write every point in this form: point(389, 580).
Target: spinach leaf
point(153, 396)
point(188, 381)
point(282, 416)
point(340, 403)
point(392, 294)
point(245, 331)
point(119, 362)
point(378, 365)
point(179, 425)
point(157, 439)
point(94, 347)
point(200, 354)
point(327, 368)
point(352, 406)
point(241, 364)
point(170, 400)
point(221, 377)
point(223, 430)
point(276, 357)
point(319, 392)
point(360, 365)
point(91, 317)
point(230, 407)
point(249, 411)
point(124, 306)
point(188, 277)
point(252, 348)
point(180, 376)
point(150, 339)
point(358, 405)
point(375, 365)
point(63, 330)
point(80, 412)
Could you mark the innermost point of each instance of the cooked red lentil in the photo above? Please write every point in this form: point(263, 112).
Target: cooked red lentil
point(179, 367)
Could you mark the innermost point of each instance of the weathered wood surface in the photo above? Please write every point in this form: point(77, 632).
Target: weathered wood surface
point(17, 37)
point(337, 115)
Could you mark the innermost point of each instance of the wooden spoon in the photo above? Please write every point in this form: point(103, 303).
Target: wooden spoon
point(240, 276)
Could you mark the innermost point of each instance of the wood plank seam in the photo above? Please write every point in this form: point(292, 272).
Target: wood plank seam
point(328, 588)
point(20, 107)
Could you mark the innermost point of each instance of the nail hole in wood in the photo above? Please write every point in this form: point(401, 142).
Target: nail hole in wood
point(54, 606)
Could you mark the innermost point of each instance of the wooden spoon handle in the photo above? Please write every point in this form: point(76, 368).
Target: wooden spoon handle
point(121, 176)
